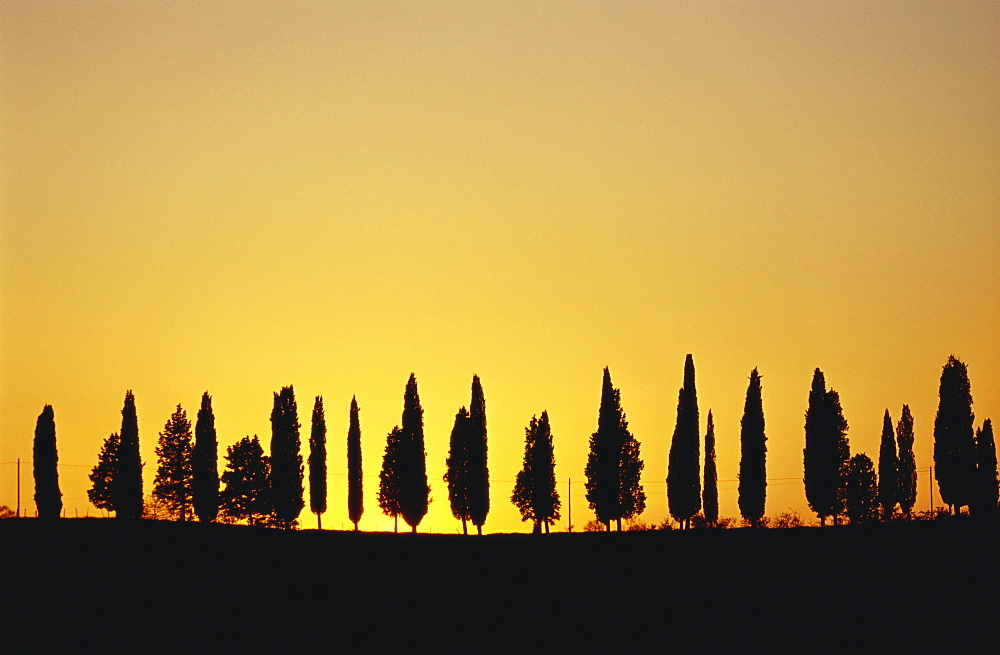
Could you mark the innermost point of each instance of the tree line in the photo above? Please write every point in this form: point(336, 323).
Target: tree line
point(268, 489)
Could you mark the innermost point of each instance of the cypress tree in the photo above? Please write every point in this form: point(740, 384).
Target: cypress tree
point(388, 488)
point(861, 490)
point(128, 474)
point(827, 451)
point(906, 472)
point(174, 471)
point(888, 467)
point(286, 459)
point(710, 492)
point(317, 462)
point(45, 462)
point(102, 476)
point(206, 463)
point(355, 499)
point(632, 497)
point(245, 494)
point(683, 485)
point(986, 468)
point(411, 474)
point(479, 472)
point(535, 494)
point(954, 447)
point(457, 471)
point(753, 449)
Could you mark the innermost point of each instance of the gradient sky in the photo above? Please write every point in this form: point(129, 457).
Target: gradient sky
point(234, 197)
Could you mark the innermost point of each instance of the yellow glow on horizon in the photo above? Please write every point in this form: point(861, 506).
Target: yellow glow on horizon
point(236, 198)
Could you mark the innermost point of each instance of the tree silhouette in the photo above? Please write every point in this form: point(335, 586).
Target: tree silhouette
point(174, 472)
point(906, 470)
point(127, 479)
point(355, 497)
point(286, 461)
point(246, 478)
point(388, 477)
point(710, 492)
point(457, 468)
point(683, 485)
point(102, 476)
point(206, 463)
point(614, 464)
point(45, 462)
point(861, 490)
point(888, 468)
point(479, 472)
point(753, 449)
point(535, 493)
point(827, 452)
point(411, 473)
point(317, 462)
point(954, 448)
point(986, 467)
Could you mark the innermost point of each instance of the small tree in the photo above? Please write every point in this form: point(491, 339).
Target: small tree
point(355, 498)
point(411, 473)
point(317, 462)
point(102, 476)
point(954, 447)
point(457, 469)
point(245, 494)
point(479, 472)
point(172, 487)
point(986, 468)
point(861, 490)
point(827, 452)
point(388, 488)
point(710, 492)
point(535, 494)
point(45, 462)
point(888, 467)
point(127, 480)
point(206, 463)
point(683, 485)
point(906, 471)
point(286, 460)
point(753, 448)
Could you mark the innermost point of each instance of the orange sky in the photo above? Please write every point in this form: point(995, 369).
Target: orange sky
point(241, 196)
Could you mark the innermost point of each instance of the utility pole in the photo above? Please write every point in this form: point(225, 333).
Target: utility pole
point(569, 503)
point(18, 487)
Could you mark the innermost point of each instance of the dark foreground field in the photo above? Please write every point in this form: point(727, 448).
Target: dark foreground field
point(92, 585)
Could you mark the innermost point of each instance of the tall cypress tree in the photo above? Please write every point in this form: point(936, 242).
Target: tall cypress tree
point(479, 472)
point(206, 463)
point(683, 485)
point(753, 448)
point(457, 471)
point(317, 462)
point(414, 492)
point(954, 447)
point(128, 475)
point(888, 467)
point(48, 498)
point(388, 478)
point(986, 468)
point(286, 459)
point(174, 471)
point(632, 497)
point(102, 476)
point(710, 492)
point(827, 451)
point(535, 494)
point(355, 498)
point(906, 471)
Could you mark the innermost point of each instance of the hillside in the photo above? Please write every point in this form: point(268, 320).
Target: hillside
point(102, 585)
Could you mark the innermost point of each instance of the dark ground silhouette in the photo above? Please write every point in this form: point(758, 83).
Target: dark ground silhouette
point(146, 586)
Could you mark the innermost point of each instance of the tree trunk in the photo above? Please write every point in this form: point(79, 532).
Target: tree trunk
point(479, 530)
point(537, 529)
point(395, 523)
point(607, 526)
point(465, 528)
point(619, 521)
point(413, 529)
point(546, 526)
point(319, 521)
point(355, 527)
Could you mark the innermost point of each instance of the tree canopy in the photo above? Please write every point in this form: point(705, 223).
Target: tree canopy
point(457, 469)
point(127, 478)
point(753, 454)
point(355, 481)
point(535, 494)
point(206, 463)
point(888, 469)
point(411, 465)
point(175, 469)
point(286, 459)
point(102, 476)
point(861, 490)
point(710, 490)
point(479, 472)
point(317, 462)
point(985, 505)
point(906, 471)
point(827, 451)
point(245, 496)
point(388, 488)
point(954, 447)
point(45, 462)
point(683, 484)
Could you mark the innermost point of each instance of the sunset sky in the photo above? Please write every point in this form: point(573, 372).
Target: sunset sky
point(238, 196)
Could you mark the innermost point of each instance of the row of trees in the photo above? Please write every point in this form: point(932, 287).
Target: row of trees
point(268, 490)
